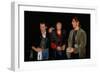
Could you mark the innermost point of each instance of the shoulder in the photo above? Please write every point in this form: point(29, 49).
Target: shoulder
point(82, 31)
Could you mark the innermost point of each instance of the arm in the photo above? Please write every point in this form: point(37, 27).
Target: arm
point(36, 49)
point(70, 49)
point(82, 45)
point(70, 40)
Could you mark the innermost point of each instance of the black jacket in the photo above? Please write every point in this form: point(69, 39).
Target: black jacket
point(36, 42)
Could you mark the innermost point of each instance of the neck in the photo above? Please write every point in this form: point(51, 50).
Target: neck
point(58, 29)
point(43, 31)
point(77, 28)
point(59, 32)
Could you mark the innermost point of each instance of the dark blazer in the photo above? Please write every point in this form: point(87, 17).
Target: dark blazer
point(55, 39)
point(36, 42)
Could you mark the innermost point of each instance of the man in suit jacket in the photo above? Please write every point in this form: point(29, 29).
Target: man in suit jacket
point(41, 44)
point(76, 41)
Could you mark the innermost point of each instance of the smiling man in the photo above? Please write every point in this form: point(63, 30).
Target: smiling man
point(76, 41)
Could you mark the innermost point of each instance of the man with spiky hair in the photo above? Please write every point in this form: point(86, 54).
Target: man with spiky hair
point(42, 41)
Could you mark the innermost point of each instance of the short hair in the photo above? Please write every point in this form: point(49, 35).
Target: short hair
point(43, 23)
point(58, 22)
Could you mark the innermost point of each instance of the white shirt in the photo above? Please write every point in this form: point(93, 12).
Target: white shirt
point(44, 34)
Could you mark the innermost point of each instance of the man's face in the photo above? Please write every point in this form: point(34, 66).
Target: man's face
point(42, 27)
point(74, 23)
point(58, 26)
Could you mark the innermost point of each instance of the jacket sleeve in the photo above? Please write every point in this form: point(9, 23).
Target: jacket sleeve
point(70, 39)
point(81, 47)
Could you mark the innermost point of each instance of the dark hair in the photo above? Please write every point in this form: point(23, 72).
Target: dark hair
point(43, 23)
point(57, 23)
point(76, 19)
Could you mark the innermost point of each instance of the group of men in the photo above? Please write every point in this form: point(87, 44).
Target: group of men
point(53, 44)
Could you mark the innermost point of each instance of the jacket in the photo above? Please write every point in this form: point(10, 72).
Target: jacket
point(80, 40)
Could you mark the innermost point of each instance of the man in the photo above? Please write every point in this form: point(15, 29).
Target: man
point(76, 41)
point(42, 48)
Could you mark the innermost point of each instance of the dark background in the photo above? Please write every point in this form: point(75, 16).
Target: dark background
point(32, 20)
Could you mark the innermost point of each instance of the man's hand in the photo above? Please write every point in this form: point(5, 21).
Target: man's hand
point(70, 50)
point(59, 48)
point(63, 47)
point(50, 30)
point(38, 49)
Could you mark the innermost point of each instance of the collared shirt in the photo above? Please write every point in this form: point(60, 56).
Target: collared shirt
point(44, 34)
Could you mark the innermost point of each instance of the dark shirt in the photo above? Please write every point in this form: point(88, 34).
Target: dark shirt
point(43, 43)
point(37, 39)
point(58, 40)
point(73, 39)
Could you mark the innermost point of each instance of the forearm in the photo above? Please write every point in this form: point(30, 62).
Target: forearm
point(33, 48)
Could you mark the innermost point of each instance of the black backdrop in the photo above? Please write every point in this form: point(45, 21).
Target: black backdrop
point(32, 20)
